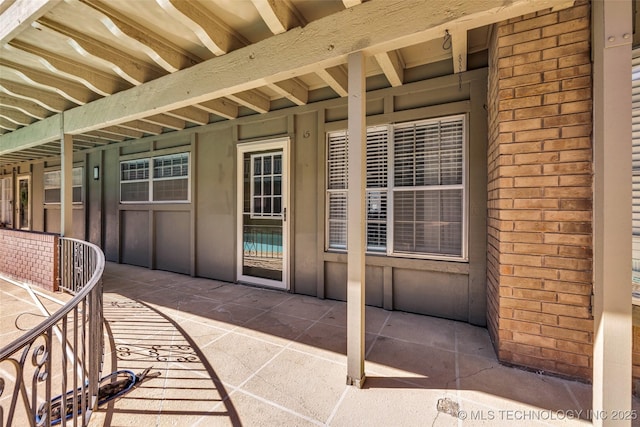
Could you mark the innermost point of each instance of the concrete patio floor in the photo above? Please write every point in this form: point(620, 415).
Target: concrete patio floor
point(237, 355)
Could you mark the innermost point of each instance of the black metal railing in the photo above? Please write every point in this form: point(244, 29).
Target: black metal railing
point(50, 376)
point(262, 241)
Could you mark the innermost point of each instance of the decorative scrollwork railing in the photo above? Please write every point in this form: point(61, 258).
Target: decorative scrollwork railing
point(50, 376)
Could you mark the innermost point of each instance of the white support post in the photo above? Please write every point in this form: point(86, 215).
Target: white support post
point(66, 185)
point(357, 151)
point(612, 35)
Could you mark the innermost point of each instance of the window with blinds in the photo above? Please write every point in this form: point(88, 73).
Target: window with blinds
point(376, 191)
point(415, 188)
point(52, 185)
point(159, 179)
point(635, 159)
point(428, 190)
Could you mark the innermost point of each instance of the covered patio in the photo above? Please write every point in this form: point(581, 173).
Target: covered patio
point(100, 102)
point(239, 355)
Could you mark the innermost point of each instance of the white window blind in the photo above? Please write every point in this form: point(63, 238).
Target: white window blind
point(159, 179)
point(376, 189)
point(171, 178)
point(337, 190)
point(429, 188)
point(635, 159)
point(426, 162)
point(53, 182)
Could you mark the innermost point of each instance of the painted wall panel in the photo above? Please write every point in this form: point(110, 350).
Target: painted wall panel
point(216, 195)
point(305, 209)
point(93, 197)
point(433, 293)
point(134, 227)
point(52, 221)
point(111, 191)
point(171, 240)
point(336, 283)
point(263, 128)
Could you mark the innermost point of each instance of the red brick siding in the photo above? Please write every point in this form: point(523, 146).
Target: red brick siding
point(29, 257)
point(539, 271)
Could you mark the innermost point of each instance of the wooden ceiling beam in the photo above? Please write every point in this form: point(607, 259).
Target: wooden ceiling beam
point(20, 14)
point(214, 34)
point(392, 67)
point(7, 124)
point(126, 66)
point(141, 126)
point(351, 3)
point(190, 114)
point(221, 107)
point(16, 117)
point(253, 100)
point(165, 121)
point(72, 91)
point(164, 53)
point(96, 80)
point(105, 135)
point(50, 101)
point(293, 90)
point(83, 138)
point(122, 131)
point(373, 27)
point(277, 14)
point(336, 78)
point(27, 107)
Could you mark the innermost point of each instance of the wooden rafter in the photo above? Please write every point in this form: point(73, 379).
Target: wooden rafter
point(7, 124)
point(459, 49)
point(165, 121)
point(221, 107)
point(27, 107)
point(122, 131)
point(277, 14)
point(105, 135)
point(20, 14)
point(373, 27)
point(392, 66)
point(126, 66)
point(164, 53)
point(72, 91)
point(351, 3)
point(16, 117)
point(48, 100)
point(212, 32)
point(293, 90)
point(336, 78)
point(252, 99)
point(139, 125)
point(96, 80)
point(190, 114)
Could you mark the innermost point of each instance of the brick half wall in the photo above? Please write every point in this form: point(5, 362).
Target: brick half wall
point(539, 272)
point(30, 257)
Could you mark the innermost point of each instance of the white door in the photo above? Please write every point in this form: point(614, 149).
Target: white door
point(263, 233)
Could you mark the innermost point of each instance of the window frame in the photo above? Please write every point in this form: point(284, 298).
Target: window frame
point(59, 186)
point(391, 189)
point(151, 179)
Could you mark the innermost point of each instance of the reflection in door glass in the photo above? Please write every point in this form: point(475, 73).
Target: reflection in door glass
point(23, 200)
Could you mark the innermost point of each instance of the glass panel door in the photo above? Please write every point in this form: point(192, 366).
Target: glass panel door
point(262, 234)
point(23, 205)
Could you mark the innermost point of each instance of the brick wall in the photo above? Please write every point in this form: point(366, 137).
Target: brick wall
point(29, 257)
point(539, 192)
